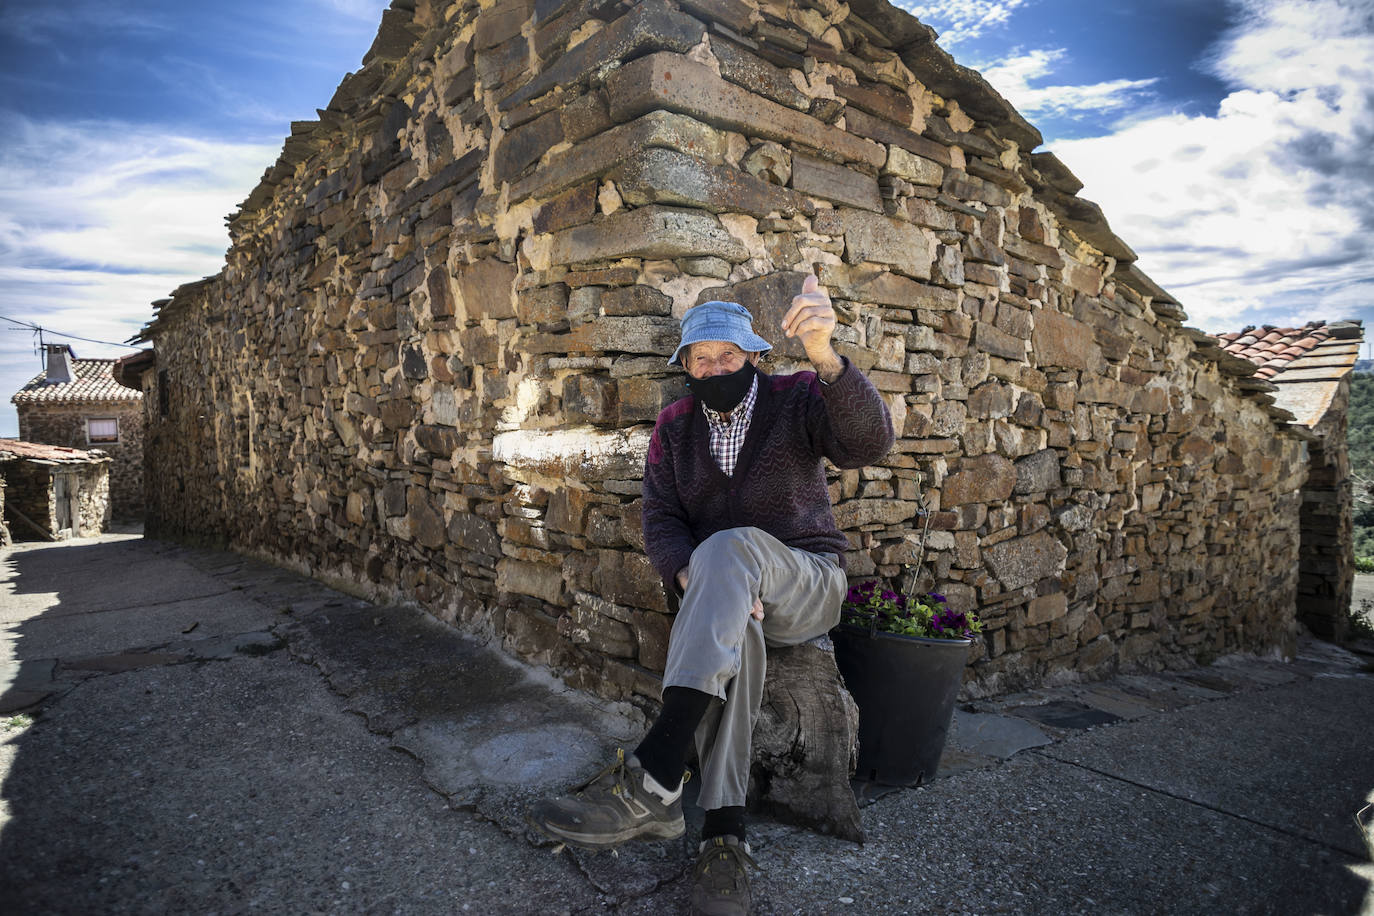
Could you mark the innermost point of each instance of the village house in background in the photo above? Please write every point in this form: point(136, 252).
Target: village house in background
point(432, 362)
point(1307, 370)
point(52, 493)
point(77, 403)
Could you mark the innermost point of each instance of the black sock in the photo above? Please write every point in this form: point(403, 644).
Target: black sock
point(663, 752)
point(724, 822)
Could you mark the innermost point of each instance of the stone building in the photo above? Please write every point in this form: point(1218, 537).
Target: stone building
point(431, 365)
point(76, 403)
point(1309, 369)
point(53, 493)
point(5, 538)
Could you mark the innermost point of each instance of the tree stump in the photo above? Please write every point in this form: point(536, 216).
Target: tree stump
point(805, 743)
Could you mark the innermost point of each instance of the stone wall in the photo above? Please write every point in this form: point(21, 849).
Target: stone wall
point(432, 362)
point(1326, 584)
point(5, 538)
point(65, 425)
point(30, 490)
point(94, 508)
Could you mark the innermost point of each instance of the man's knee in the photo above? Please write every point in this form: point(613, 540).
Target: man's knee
point(730, 542)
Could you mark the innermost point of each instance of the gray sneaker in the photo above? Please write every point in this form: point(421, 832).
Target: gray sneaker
point(620, 803)
point(720, 884)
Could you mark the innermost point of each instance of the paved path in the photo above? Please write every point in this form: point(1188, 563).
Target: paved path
point(208, 734)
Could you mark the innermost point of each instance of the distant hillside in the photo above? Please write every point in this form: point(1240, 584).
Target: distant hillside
point(1364, 365)
point(1361, 438)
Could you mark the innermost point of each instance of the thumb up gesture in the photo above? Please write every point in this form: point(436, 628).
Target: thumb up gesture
point(811, 319)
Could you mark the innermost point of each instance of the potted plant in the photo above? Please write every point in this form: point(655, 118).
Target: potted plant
point(871, 606)
point(902, 654)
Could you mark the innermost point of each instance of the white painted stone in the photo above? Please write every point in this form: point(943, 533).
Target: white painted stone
point(571, 449)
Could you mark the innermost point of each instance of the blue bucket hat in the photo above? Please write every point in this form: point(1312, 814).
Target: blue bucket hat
point(727, 321)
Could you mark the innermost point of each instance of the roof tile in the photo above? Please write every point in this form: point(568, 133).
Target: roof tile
point(1274, 348)
point(18, 448)
point(1286, 357)
point(94, 382)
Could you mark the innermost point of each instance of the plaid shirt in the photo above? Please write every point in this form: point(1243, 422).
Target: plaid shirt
point(727, 436)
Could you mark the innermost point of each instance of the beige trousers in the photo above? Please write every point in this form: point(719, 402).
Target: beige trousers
point(718, 648)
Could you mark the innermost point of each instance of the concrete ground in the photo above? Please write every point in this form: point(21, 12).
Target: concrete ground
point(189, 731)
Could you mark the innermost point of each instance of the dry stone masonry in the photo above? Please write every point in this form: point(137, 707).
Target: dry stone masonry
point(60, 411)
point(1309, 371)
point(432, 362)
point(5, 538)
point(52, 492)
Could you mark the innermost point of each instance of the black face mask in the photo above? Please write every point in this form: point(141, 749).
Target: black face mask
point(722, 393)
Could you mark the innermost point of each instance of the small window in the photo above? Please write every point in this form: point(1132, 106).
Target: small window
point(102, 430)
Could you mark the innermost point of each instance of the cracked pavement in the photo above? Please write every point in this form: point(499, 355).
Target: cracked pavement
point(188, 730)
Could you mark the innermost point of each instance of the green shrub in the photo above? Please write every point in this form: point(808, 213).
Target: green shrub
point(1362, 620)
point(1360, 438)
point(1364, 564)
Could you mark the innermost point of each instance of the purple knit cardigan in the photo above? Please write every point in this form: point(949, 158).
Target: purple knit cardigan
point(779, 482)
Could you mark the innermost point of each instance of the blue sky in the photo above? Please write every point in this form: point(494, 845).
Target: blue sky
point(1226, 141)
point(1145, 55)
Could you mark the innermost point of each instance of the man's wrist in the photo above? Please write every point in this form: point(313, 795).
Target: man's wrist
point(829, 366)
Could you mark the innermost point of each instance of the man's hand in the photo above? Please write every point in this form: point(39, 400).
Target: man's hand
point(756, 611)
point(812, 319)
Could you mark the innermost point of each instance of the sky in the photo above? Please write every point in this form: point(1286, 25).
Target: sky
point(1227, 142)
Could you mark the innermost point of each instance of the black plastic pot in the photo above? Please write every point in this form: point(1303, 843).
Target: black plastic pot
point(905, 687)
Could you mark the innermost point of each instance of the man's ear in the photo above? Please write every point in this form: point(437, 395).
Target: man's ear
point(755, 357)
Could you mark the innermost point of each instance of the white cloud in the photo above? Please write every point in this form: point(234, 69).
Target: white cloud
point(963, 19)
point(99, 219)
point(118, 196)
point(1012, 78)
point(1261, 211)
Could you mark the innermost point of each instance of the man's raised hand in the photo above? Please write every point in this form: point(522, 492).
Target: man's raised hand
point(811, 319)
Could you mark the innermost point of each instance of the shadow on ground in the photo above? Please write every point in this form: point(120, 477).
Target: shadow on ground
point(207, 733)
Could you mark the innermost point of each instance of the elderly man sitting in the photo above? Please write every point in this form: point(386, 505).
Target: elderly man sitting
point(737, 520)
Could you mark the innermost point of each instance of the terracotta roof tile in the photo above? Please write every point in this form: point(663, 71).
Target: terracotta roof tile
point(1306, 364)
point(17, 448)
point(94, 382)
point(1274, 348)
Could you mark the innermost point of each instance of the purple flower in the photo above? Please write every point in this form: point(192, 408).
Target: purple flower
point(939, 598)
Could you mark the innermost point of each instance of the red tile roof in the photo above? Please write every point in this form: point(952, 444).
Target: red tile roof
point(1273, 349)
point(1304, 366)
point(94, 381)
point(17, 448)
